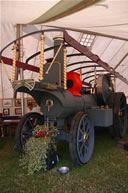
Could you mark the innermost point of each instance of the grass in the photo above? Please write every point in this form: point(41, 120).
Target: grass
point(106, 172)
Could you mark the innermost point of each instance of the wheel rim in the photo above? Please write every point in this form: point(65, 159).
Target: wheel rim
point(85, 139)
point(28, 126)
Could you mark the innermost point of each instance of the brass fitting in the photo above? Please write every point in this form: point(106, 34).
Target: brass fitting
point(41, 57)
point(65, 69)
point(14, 62)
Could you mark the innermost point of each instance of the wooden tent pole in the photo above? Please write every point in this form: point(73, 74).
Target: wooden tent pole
point(17, 54)
point(1, 82)
point(19, 32)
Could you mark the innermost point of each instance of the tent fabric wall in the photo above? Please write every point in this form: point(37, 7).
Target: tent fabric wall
point(62, 9)
point(109, 17)
point(110, 50)
point(108, 20)
point(8, 33)
point(23, 12)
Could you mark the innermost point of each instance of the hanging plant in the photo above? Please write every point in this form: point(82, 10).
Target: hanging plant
point(40, 150)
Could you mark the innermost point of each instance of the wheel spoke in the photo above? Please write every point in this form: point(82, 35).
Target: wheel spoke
point(85, 150)
point(35, 122)
point(82, 132)
point(27, 133)
point(87, 130)
point(87, 144)
point(30, 123)
point(80, 140)
point(85, 125)
point(81, 148)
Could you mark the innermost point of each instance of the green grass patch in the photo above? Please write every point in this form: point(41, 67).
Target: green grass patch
point(106, 172)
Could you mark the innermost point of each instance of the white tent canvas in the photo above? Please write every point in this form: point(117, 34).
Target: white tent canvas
point(106, 20)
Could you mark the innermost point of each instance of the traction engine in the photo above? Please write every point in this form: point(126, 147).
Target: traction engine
point(65, 100)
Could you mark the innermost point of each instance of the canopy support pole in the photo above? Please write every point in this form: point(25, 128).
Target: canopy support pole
point(19, 31)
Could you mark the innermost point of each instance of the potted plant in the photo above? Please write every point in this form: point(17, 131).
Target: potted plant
point(40, 150)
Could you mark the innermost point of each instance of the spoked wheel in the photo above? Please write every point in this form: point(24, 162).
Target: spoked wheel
point(117, 101)
point(25, 128)
point(81, 143)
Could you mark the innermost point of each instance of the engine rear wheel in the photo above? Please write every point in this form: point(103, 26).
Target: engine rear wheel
point(117, 102)
point(81, 143)
point(25, 128)
point(104, 88)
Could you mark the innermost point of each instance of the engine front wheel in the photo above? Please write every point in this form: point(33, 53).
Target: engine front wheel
point(81, 143)
point(25, 128)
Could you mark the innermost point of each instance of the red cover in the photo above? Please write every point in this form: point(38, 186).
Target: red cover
point(77, 83)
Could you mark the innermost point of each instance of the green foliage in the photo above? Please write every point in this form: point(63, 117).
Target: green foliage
point(37, 147)
point(106, 172)
point(35, 154)
point(44, 130)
